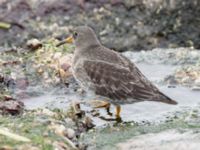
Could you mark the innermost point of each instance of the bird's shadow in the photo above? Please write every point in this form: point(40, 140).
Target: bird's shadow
point(118, 120)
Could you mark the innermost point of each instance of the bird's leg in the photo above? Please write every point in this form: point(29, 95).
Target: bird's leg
point(117, 115)
point(105, 105)
point(108, 110)
point(117, 118)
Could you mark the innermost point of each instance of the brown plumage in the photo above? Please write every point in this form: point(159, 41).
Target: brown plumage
point(110, 74)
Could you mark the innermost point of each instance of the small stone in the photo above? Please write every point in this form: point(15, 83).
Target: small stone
point(59, 129)
point(88, 123)
point(70, 133)
point(65, 66)
point(170, 79)
point(12, 107)
point(95, 113)
point(186, 80)
point(57, 55)
point(46, 134)
point(34, 44)
point(69, 121)
point(8, 97)
point(197, 82)
point(196, 88)
point(48, 112)
point(77, 109)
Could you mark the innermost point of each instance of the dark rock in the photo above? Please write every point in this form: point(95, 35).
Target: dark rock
point(12, 107)
point(34, 44)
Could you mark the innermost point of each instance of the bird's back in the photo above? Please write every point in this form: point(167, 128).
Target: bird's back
point(116, 77)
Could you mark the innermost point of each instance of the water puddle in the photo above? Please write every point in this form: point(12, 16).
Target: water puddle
point(148, 111)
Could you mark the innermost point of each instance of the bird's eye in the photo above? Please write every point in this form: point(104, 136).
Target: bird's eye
point(75, 34)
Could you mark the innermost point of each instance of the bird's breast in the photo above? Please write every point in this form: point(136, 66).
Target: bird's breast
point(80, 74)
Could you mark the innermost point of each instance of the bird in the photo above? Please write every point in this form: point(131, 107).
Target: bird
point(109, 74)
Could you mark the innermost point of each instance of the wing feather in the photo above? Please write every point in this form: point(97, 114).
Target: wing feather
point(116, 82)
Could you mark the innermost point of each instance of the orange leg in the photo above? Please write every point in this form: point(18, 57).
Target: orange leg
point(106, 106)
point(118, 117)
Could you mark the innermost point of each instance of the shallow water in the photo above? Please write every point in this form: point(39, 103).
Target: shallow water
point(144, 111)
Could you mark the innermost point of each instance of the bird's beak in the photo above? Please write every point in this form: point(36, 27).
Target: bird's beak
point(70, 40)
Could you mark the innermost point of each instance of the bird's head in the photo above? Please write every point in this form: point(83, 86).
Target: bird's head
point(82, 37)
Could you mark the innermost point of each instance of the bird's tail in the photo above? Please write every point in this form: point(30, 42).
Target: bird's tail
point(165, 99)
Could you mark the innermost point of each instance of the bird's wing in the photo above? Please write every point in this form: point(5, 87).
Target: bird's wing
point(117, 82)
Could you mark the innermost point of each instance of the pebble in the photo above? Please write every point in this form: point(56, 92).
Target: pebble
point(48, 112)
point(197, 81)
point(186, 80)
point(88, 123)
point(34, 44)
point(70, 133)
point(59, 129)
point(12, 107)
point(57, 55)
point(196, 88)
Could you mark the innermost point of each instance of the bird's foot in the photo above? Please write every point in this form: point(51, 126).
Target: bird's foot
point(102, 104)
point(118, 119)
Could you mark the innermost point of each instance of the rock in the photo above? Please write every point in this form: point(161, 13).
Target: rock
point(196, 88)
point(95, 112)
point(77, 109)
point(170, 79)
point(197, 81)
point(34, 44)
point(69, 121)
point(7, 98)
point(12, 107)
point(65, 66)
point(186, 80)
point(70, 133)
point(59, 129)
point(48, 112)
point(57, 55)
point(88, 123)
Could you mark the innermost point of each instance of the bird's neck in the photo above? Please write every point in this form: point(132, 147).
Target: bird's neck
point(85, 52)
point(84, 49)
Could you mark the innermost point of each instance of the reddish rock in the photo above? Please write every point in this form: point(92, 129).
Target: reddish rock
point(65, 66)
point(12, 107)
